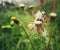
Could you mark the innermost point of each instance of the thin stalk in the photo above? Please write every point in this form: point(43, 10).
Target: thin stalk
point(28, 37)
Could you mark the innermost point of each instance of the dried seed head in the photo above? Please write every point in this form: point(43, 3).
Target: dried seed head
point(53, 14)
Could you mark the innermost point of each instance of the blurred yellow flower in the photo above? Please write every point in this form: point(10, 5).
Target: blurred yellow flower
point(13, 18)
point(12, 22)
point(8, 26)
point(3, 27)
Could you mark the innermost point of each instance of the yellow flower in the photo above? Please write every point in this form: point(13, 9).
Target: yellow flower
point(12, 22)
point(3, 27)
point(8, 26)
point(13, 18)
